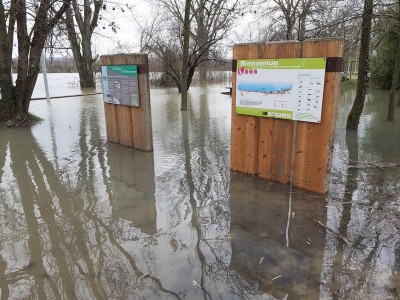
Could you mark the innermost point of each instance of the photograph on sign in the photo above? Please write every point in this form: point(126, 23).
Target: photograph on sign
point(120, 85)
point(290, 88)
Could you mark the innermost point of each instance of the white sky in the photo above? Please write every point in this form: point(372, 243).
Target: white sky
point(129, 33)
point(105, 41)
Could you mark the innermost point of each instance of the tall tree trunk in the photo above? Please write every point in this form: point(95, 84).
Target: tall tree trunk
point(87, 21)
point(363, 67)
point(23, 56)
point(185, 58)
point(202, 40)
point(7, 99)
point(83, 59)
point(203, 72)
point(86, 75)
point(393, 88)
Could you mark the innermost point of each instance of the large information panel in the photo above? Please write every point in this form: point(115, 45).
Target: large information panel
point(120, 85)
point(290, 88)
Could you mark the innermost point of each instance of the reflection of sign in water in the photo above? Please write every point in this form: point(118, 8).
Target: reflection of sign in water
point(120, 85)
point(290, 88)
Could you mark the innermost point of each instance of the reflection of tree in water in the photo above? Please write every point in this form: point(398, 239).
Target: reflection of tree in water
point(91, 227)
point(366, 211)
point(207, 207)
point(56, 241)
point(67, 231)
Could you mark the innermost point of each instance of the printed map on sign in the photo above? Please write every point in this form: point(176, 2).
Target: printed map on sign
point(290, 88)
point(120, 85)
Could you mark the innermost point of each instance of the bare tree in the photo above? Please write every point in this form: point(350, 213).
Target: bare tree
point(185, 55)
point(86, 15)
point(394, 15)
point(394, 85)
point(15, 99)
point(210, 22)
point(291, 16)
point(363, 67)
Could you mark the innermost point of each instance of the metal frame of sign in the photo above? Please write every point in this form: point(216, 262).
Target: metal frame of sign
point(289, 88)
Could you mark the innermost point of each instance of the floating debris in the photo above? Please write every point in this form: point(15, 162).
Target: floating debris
point(195, 283)
point(144, 275)
point(275, 278)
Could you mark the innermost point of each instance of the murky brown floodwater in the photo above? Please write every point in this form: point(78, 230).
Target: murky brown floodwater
point(84, 219)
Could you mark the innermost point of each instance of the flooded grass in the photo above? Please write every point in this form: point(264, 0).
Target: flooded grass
point(81, 218)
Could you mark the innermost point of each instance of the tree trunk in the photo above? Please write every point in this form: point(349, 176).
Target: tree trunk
point(83, 64)
point(202, 40)
point(393, 88)
point(86, 20)
point(185, 58)
point(203, 73)
point(6, 45)
point(363, 67)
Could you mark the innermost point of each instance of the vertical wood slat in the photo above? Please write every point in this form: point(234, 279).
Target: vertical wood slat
point(245, 129)
point(276, 136)
point(141, 116)
point(315, 141)
point(123, 111)
point(110, 112)
point(130, 126)
point(124, 125)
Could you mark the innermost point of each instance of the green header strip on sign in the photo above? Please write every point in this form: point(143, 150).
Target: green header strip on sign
point(130, 70)
point(267, 113)
point(284, 63)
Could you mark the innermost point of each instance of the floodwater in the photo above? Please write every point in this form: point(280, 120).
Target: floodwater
point(81, 218)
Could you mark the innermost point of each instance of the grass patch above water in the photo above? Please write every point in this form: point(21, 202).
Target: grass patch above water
point(21, 121)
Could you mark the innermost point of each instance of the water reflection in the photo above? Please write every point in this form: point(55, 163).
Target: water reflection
point(84, 219)
point(259, 221)
point(364, 206)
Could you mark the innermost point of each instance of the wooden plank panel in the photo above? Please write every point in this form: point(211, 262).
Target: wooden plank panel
point(251, 145)
point(315, 141)
point(281, 151)
point(125, 125)
point(245, 129)
point(141, 116)
point(110, 111)
point(265, 148)
point(236, 132)
point(276, 136)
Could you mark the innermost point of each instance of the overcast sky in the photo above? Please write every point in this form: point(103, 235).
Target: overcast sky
point(128, 32)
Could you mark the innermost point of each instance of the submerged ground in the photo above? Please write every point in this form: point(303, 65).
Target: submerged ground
point(84, 219)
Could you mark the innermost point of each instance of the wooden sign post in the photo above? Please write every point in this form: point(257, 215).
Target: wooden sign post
point(128, 120)
point(276, 149)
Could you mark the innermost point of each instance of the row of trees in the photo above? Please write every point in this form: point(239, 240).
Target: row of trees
point(35, 23)
point(371, 26)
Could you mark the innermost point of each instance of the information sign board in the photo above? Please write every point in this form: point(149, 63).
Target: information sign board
point(120, 85)
point(290, 88)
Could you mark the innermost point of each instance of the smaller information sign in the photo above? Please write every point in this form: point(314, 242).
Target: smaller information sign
point(120, 85)
point(290, 88)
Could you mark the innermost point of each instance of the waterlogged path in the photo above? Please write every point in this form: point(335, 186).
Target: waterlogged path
point(84, 219)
